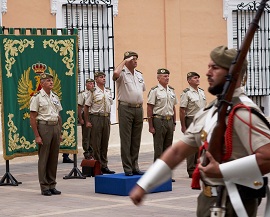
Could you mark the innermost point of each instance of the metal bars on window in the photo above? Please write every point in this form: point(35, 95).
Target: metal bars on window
point(258, 79)
point(96, 40)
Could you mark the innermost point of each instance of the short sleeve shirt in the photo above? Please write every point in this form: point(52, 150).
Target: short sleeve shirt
point(241, 144)
point(99, 101)
point(82, 97)
point(192, 100)
point(130, 87)
point(47, 107)
point(163, 99)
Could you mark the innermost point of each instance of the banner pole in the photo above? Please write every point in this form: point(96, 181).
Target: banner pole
point(75, 173)
point(8, 179)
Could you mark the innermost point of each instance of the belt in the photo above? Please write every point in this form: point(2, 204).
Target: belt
point(101, 114)
point(210, 191)
point(166, 117)
point(51, 123)
point(138, 105)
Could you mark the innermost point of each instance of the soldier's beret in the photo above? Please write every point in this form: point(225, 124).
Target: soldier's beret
point(223, 57)
point(130, 54)
point(163, 71)
point(89, 80)
point(99, 74)
point(45, 76)
point(192, 74)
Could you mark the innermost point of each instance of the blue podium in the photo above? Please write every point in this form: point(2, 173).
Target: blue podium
point(119, 184)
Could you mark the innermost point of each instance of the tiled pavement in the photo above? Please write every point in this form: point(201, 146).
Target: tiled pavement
point(78, 196)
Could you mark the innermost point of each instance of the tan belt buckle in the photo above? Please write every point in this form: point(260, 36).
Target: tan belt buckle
point(168, 118)
point(106, 115)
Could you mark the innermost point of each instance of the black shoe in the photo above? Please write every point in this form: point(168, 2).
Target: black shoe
point(46, 193)
point(106, 170)
point(173, 180)
point(67, 160)
point(138, 172)
point(128, 174)
point(54, 191)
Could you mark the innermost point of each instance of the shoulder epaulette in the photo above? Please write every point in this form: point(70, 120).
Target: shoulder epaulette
point(138, 71)
point(186, 90)
point(154, 87)
point(36, 93)
point(108, 88)
point(54, 93)
point(200, 88)
point(82, 91)
point(170, 87)
point(93, 89)
point(123, 70)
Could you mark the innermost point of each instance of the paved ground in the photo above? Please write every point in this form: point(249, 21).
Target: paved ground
point(79, 198)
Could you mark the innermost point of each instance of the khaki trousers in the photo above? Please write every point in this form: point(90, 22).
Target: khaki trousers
point(130, 129)
point(48, 155)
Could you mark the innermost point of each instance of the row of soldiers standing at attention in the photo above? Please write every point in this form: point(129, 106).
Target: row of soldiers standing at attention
point(95, 103)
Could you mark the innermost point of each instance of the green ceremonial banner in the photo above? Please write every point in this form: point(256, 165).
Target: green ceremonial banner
point(19, 53)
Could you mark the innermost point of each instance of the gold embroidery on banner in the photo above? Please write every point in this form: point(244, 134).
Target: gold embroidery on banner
point(11, 51)
point(69, 139)
point(66, 50)
point(15, 142)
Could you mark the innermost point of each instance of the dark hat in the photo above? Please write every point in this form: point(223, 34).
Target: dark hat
point(163, 71)
point(89, 80)
point(192, 74)
point(99, 74)
point(130, 54)
point(223, 57)
point(45, 76)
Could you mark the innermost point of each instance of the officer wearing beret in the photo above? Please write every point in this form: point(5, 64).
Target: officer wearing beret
point(161, 113)
point(86, 132)
point(191, 101)
point(130, 86)
point(248, 160)
point(46, 124)
point(97, 110)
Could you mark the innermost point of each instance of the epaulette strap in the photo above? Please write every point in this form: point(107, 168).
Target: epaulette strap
point(36, 93)
point(171, 87)
point(82, 91)
point(139, 71)
point(200, 88)
point(154, 87)
point(54, 93)
point(108, 88)
point(186, 90)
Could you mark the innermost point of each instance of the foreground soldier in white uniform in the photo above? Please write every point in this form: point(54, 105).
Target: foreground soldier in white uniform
point(250, 142)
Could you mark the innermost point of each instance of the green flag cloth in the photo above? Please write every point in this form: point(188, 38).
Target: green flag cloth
point(21, 55)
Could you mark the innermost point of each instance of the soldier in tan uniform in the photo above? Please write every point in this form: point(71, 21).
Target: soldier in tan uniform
point(86, 131)
point(130, 87)
point(244, 166)
point(161, 113)
point(97, 111)
point(191, 101)
point(46, 124)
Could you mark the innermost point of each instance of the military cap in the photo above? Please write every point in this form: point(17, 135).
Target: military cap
point(163, 71)
point(89, 80)
point(45, 75)
point(223, 57)
point(99, 74)
point(130, 54)
point(192, 74)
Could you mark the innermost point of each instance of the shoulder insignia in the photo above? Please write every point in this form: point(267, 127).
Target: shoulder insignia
point(138, 71)
point(186, 90)
point(82, 91)
point(123, 70)
point(154, 87)
point(200, 88)
point(171, 87)
point(54, 93)
point(36, 93)
point(93, 89)
point(108, 88)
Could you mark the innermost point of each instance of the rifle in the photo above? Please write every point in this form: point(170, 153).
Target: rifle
point(215, 146)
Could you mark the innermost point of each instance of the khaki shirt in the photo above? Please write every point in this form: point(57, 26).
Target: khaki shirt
point(241, 132)
point(163, 100)
point(82, 97)
point(192, 100)
point(47, 107)
point(130, 87)
point(99, 101)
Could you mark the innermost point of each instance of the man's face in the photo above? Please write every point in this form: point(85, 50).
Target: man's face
point(90, 85)
point(101, 79)
point(47, 83)
point(163, 79)
point(133, 63)
point(194, 81)
point(216, 77)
